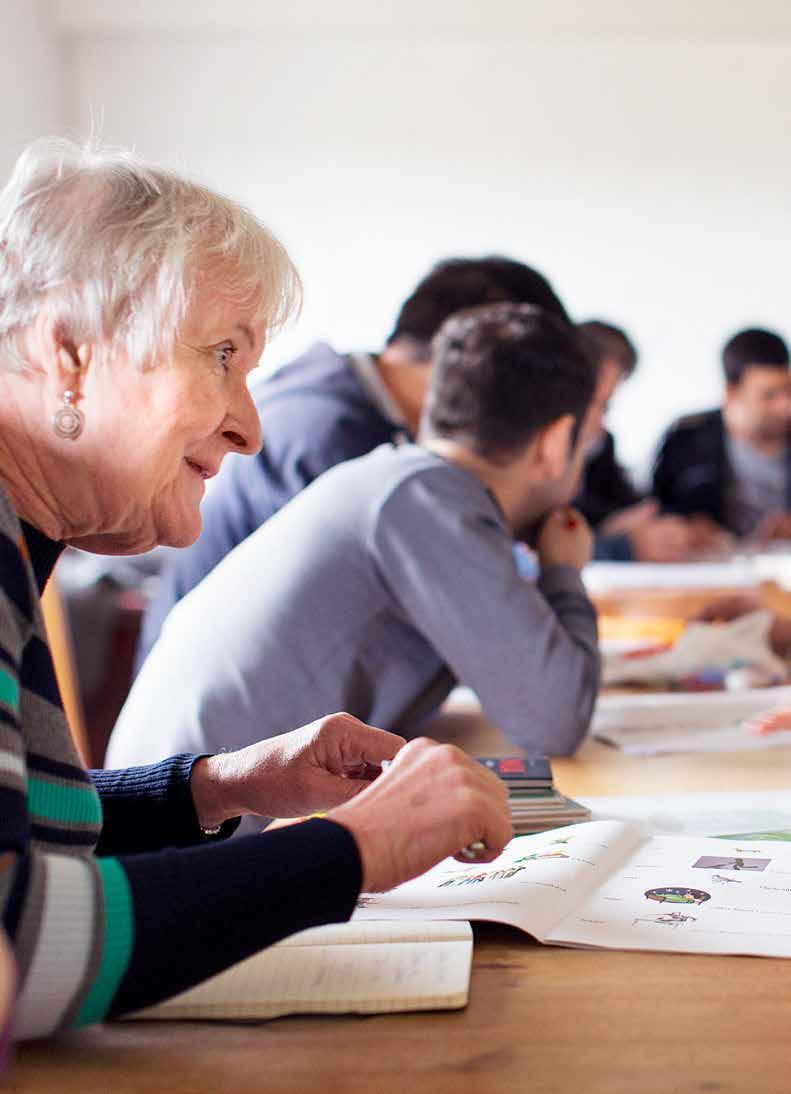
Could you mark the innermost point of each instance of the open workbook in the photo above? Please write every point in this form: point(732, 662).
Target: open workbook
point(359, 968)
point(605, 884)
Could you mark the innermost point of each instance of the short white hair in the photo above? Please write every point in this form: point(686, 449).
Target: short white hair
point(116, 247)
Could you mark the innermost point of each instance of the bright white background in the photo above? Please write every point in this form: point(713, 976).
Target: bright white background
point(641, 158)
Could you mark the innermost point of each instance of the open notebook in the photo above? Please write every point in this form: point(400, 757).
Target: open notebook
point(605, 884)
point(358, 968)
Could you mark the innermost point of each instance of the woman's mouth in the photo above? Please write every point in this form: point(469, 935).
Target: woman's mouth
point(199, 469)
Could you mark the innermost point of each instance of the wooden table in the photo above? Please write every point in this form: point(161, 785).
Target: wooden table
point(540, 1019)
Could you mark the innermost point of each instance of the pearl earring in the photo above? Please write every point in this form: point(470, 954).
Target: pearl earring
point(68, 422)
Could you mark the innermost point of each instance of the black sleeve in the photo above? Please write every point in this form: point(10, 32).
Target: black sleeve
point(613, 549)
point(606, 486)
point(201, 909)
point(148, 808)
point(664, 475)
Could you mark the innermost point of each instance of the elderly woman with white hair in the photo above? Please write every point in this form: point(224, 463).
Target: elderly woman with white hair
point(133, 305)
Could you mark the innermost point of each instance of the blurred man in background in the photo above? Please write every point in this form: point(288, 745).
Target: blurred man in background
point(628, 526)
point(732, 466)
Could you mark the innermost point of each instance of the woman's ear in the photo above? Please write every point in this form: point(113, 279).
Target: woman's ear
point(72, 360)
point(554, 447)
point(59, 354)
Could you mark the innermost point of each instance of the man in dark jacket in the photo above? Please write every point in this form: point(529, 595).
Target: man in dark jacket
point(733, 466)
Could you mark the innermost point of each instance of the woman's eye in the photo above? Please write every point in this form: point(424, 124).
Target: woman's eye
point(224, 353)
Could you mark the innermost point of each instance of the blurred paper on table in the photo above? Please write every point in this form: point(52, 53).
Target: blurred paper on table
point(747, 569)
point(678, 722)
point(604, 577)
point(703, 647)
point(710, 813)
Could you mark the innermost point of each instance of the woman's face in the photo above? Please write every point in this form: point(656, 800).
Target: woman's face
point(159, 434)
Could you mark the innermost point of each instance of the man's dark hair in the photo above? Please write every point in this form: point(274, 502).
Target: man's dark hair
point(457, 284)
point(606, 341)
point(753, 347)
point(501, 374)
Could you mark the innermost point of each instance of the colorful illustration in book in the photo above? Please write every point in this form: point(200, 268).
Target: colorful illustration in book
point(720, 879)
point(535, 855)
point(485, 875)
point(779, 834)
point(677, 894)
point(502, 873)
point(667, 919)
point(711, 862)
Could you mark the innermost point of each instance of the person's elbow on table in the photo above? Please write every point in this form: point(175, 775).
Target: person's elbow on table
point(568, 710)
point(561, 727)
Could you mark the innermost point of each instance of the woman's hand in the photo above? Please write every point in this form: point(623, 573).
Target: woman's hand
point(430, 803)
point(313, 768)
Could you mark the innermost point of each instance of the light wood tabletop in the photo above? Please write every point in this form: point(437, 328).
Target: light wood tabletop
point(540, 1019)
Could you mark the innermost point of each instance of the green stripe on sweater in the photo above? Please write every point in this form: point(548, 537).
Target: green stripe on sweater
point(119, 936)
point(63, 804)
point(9, 690)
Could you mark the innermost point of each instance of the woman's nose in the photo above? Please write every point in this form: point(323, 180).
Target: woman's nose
point(243, 426)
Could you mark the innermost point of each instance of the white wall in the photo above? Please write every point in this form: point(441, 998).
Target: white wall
point(31, 78)
point(645, 166)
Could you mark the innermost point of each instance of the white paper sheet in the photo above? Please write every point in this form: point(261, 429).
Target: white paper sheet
point(739, 573)
point(702, 647)
point(714, 813)
point(687, 722)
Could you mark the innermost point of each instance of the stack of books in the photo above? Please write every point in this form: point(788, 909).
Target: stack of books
point(535, 804)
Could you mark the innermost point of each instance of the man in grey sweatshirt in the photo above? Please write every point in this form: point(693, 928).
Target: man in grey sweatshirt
point(393, 575)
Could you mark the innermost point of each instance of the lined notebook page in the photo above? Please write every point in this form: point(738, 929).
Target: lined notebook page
point(360, 968)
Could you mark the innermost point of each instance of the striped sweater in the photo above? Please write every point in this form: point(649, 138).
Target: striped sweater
point(110, 895)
